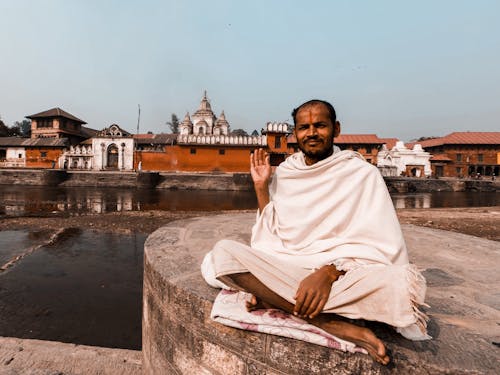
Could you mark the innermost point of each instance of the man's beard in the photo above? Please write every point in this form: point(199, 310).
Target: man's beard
point(318, 154)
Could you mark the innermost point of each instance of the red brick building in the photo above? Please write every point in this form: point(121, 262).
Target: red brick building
point(464, 154)
point(57, 123)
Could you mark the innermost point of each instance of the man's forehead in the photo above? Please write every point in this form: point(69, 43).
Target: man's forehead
point(314, 109)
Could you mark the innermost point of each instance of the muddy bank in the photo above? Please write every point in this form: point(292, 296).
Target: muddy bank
point(479, 221)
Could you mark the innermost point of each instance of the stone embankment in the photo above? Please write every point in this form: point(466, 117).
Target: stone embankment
point(208, 181)
point(180, 338)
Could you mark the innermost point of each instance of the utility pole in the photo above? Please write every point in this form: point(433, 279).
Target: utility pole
point(138, 117)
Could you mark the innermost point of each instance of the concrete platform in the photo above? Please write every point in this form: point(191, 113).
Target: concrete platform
point(37, 357)
point(180, 338)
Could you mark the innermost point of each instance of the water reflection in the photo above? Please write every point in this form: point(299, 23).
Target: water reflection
point(40, 201)
point(445, 199)
point(86, 288)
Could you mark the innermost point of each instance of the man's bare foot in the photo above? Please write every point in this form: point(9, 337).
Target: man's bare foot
point(363, 337)
point(257, 304)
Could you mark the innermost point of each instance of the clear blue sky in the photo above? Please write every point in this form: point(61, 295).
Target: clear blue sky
point(395, 68)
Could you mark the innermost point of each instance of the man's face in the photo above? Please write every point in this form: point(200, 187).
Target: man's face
point(314, 132)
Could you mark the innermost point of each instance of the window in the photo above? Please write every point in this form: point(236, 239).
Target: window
point(20, 156)
point(459, 157)
point(192, 151)
point(277, 142)
point(222, 151)
point(459, 171)
point(43, 154)
point(480, 158)
point(3, 154)
point(44, 123)
point(368, 150)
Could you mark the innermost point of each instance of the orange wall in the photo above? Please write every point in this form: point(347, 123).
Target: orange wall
point(34, 157)
point(271, 142)
point(206, 159)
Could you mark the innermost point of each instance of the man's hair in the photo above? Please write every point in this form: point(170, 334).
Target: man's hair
point(331, 110)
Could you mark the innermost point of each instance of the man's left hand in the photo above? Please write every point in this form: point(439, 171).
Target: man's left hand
point(314, 290)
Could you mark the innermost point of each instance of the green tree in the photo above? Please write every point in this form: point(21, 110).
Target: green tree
point(173, 124)
point(4, 130)
point(25, 127)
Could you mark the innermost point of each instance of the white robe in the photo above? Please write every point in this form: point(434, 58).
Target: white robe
point(336, 211)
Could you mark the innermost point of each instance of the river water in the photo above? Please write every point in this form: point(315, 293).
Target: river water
point(85, 287)
point(46, 201)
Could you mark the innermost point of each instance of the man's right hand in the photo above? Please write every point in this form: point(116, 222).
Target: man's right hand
point(260, 169)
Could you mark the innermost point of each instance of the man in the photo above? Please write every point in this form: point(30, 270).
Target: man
point(327, 243)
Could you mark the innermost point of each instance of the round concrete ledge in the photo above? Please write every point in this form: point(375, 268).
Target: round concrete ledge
point(180, 338)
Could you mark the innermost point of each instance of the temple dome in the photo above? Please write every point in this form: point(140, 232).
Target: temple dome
point(205, 108)
point(221, 121)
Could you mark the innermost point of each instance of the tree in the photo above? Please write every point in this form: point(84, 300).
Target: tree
point(25, 127)
point(239, 132)
point(4, 130)
point(174, 124)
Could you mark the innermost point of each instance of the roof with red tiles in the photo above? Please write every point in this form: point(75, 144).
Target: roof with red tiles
point(55, 112)
point(358, 139)
point(351, 139)
point(390, 142)
point(458, 138)
point(440, 157)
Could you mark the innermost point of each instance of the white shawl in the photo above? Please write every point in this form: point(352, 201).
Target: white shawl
point(336, 211)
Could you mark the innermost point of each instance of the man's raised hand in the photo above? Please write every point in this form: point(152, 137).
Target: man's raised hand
point(260, 167)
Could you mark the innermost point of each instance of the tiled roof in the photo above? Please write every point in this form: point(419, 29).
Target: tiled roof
point(440, 157)
point(350, 139)
point(55, 112)
point(389, 142)
point(33, 142)
point(358, 139)
point(156, 138)
point(88, 132)
point(470, 138)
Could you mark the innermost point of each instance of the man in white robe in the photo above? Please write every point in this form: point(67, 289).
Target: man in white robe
point(327, 243)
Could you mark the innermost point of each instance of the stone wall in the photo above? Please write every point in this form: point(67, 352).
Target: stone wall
point(179, 336)
point(426, 185)
point(204, 181)
point(208, 181)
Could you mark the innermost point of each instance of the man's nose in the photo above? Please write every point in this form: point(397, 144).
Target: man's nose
point(311, 131)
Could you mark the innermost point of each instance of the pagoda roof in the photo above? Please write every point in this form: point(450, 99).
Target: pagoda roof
point(55, 112)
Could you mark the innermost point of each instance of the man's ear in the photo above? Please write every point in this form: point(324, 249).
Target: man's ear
point(336, 129)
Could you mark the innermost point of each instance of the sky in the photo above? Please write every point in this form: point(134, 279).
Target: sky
point(401, 69)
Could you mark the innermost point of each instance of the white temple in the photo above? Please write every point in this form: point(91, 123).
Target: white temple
point(403, 161)
point(204, 128)
point(204, 122)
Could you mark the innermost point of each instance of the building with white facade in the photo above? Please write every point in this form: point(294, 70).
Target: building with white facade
point(204, 122)
point(401, 161)
point(111, 149)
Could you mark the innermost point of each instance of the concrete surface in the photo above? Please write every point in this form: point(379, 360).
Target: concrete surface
point(180, 338)
point(37, 357)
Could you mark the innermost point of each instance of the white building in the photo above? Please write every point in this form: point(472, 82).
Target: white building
point(111, 149)
point(401, 161)
point(204, 122)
